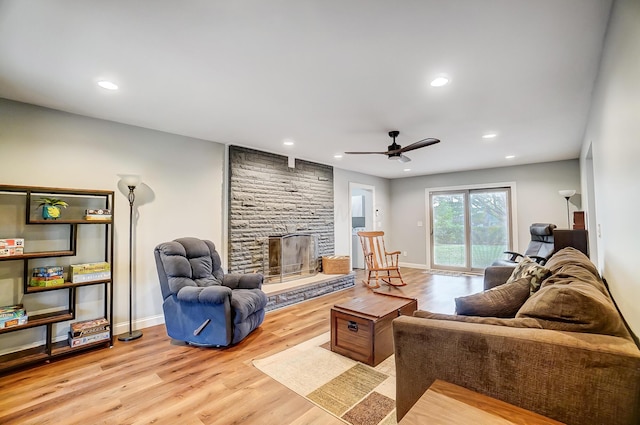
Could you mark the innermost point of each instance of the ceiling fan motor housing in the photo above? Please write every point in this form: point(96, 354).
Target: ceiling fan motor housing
point(394, 146)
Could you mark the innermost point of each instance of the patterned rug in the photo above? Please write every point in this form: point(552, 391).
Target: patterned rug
point(354, 392)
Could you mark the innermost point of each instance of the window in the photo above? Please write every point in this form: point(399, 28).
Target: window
point(470, 228)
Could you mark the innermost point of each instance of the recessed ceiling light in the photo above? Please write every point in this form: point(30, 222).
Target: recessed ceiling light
point(489, 135)
point(288, 142)
point(439, 82)
point(509, 156)
point(337, 156)
point(108, 85)
point(407, 169)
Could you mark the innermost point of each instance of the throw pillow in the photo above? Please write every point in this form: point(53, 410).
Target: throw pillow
point(531, 270)
point(501, 301)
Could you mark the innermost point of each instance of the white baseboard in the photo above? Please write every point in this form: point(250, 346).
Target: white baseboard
point(146, 322)
point(413, 265)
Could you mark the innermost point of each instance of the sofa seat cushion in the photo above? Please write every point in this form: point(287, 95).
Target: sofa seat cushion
point(527, 268)
point(501, 301)
point(577, 306)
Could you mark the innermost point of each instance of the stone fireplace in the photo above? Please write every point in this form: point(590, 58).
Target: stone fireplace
point(271, 203)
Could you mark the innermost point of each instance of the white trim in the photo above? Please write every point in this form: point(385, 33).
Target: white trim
point(223, 250)
point(146, 322)
point(514, 210)
point(413, 265)
point(372, 212)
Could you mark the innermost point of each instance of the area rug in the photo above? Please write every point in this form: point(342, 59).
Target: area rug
point(354, 392)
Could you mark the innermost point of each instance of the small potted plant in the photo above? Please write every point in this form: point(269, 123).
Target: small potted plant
point(51, 207)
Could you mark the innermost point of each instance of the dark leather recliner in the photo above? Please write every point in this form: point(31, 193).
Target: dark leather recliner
point(202, 305)
point(540, 248)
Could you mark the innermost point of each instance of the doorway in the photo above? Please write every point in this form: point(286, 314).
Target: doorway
point(361, 213)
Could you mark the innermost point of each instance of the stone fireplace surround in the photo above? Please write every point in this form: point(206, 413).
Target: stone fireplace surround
point(268, 198)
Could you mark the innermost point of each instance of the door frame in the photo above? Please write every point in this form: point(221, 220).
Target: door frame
point(369, 213)
point(428, 225)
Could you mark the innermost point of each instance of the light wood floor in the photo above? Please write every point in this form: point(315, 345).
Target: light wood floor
point(156, 381)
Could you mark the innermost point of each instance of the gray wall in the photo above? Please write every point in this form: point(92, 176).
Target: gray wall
point(536, 199)
point(613, 135)
point(181, 192)
point(267, 198)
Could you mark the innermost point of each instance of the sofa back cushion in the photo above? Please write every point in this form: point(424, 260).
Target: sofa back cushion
point(576, 306)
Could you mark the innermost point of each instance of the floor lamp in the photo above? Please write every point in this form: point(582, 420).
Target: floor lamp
point(567, 193)
point(131, 181)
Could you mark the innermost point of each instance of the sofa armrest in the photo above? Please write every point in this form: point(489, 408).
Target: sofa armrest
point(496, 275)
point(243, 281)
point(572, 377)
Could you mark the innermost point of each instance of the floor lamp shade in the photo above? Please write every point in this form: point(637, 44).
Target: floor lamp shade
point(131, 181)
point(566, 194)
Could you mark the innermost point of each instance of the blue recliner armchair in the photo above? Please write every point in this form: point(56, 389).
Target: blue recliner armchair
point(202, 305)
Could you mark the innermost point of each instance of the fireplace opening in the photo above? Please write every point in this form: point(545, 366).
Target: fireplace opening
point(290, 256)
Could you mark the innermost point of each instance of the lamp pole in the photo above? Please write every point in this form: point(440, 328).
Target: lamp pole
point(131, 335)
point(568, 215)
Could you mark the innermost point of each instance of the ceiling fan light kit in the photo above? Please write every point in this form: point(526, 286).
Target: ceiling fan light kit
point(395, 151)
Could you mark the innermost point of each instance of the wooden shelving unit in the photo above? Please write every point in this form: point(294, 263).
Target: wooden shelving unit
point(26, 197)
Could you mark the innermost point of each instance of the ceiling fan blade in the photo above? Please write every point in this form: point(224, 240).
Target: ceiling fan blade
point(358, 153)
point(417, 145)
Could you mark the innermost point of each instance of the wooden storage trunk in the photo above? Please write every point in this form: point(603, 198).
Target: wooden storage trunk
point(335, 264)
point(361, 328)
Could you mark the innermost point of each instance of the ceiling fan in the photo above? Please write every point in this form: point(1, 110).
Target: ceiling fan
point(395, 151)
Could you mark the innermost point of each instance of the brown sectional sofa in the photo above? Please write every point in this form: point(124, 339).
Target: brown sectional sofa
point(566, 354)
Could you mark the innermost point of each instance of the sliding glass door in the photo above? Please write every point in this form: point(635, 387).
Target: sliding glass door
point(469, 228)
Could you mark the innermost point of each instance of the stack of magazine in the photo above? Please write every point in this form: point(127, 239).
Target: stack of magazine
point(89, 332)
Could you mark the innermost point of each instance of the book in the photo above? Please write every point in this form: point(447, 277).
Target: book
point(48, 271)
point(89, 277)
point(89, 267)
point(17, 321)
point(12, 312)
point(97, 217)
point(88, 327)
point(100, 211)
point(6, 308)
point(88, 339)
point(46, 281)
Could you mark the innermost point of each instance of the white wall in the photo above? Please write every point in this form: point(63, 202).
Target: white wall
point(537, 200)
point(342, 202)
point(614, 134)
point(182, 192)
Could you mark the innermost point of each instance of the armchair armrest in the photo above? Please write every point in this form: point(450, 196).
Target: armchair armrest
point(549, 372)
point(243, 281)
point(539, 260)
point(496, 275)
point(209, 294)
point(514, 255)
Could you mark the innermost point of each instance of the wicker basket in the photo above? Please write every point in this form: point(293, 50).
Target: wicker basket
point(335, 264)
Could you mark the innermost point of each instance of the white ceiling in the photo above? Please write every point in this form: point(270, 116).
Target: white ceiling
point(333, 75)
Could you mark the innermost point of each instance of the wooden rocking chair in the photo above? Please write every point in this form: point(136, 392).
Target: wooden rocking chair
point(380, 264)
